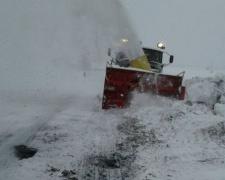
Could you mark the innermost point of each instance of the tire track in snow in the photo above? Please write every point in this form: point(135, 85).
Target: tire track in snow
point(107, 161)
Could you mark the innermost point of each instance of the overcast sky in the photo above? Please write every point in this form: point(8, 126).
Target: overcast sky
point(193, 30)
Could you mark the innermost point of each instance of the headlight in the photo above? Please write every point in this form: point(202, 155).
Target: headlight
point(161, 46)
point(124, 40)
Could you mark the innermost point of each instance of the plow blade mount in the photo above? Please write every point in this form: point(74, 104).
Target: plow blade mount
point(119, 83)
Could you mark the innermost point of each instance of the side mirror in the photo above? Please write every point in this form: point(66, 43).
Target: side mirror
point(109, 52)
point(171, 59)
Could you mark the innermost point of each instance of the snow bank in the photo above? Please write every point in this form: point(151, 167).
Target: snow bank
point(190, 133)
point(220, 109)
point(222, 99)
point(208, 91)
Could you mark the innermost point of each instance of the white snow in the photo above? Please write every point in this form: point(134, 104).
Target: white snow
point(69, 128)
point(220, 109)
point(51, 94)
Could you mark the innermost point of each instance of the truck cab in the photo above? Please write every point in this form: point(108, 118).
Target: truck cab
point(154, 57)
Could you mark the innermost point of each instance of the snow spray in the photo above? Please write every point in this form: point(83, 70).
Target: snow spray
point(48, 44)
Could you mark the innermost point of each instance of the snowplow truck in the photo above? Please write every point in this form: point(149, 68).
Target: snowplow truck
point(143, 74)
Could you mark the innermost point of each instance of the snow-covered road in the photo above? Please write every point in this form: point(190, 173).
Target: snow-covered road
point(156, 138)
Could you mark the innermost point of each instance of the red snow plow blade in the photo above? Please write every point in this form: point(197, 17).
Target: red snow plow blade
point(120, 82)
